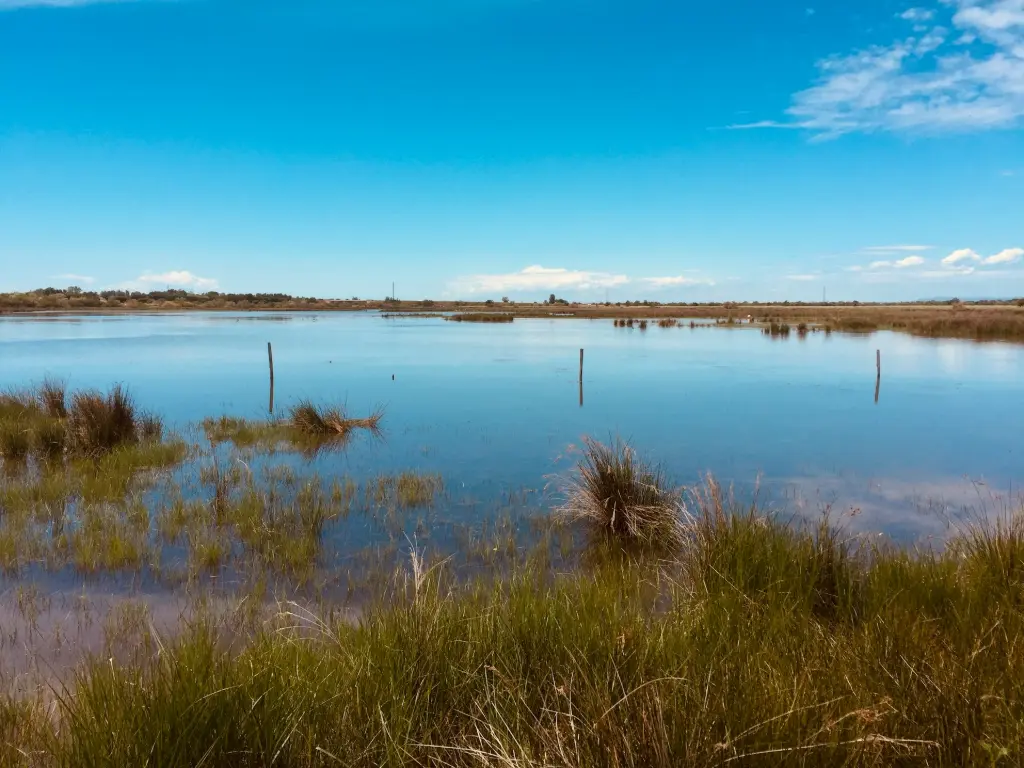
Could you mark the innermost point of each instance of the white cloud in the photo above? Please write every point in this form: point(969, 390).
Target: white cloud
point(949, 272)
point(181, 278)
point(10, 5)
point(675, 281)
point(1005, 256)
point(910, 261)
point(854, 268)
point(930, 81)
point(897, 248)
point(76, 278)
point(537, 278)
point(961, 254)
point(917, 14)
point(803, 278)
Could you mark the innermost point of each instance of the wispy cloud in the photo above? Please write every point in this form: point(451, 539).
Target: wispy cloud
point(909, 261)
point(954, 271)
point(538, 278)
point(803, 278)
point(962, 72)
point(76, 278)
point(917, 14)
point(897, 248)
point(10, 5)
point(675, 281)
point(181, 278)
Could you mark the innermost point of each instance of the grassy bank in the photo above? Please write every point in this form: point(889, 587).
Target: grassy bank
point(754, 644)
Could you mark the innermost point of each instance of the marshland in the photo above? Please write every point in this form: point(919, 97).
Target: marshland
point(442, 548)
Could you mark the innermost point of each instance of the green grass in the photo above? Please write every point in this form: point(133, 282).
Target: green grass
point(406, 490)
point(761, 644)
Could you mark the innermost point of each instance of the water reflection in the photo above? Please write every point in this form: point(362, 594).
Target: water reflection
point(485, 406)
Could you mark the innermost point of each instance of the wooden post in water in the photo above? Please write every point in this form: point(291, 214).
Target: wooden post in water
point(878, 377)
point(270, 358)
point(581, 365)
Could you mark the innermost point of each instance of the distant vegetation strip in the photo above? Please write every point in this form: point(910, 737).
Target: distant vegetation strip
point(987, 320)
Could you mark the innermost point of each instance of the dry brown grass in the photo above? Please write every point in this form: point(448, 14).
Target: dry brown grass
point(325, 421)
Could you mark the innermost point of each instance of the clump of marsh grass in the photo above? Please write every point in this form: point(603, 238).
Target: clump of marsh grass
point(327, 421)
point(668, 322)
point(50, 438)
point(151, 427)
point(99, 423)
point(623, 497)
point(53, 398)
point(481, 317)
point(776, 330)
point(15, 442)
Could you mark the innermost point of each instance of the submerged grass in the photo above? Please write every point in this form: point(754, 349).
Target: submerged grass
point(759, 644)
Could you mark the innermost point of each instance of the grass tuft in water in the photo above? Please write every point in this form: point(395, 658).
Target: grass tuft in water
point(623, 497)
point(324, 421)
point(99, 423)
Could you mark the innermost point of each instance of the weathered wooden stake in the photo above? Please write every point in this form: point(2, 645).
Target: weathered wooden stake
point(270, 358)
point(581, 365)
point(878, 377)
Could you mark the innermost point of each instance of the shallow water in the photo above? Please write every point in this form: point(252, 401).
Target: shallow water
point(496, 408)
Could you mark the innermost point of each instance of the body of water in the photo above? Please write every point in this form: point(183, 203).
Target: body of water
point(498, 408)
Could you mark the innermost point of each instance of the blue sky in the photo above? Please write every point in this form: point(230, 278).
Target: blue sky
point(479, 148)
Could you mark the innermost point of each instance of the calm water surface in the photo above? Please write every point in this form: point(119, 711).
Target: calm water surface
point(496, 408)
